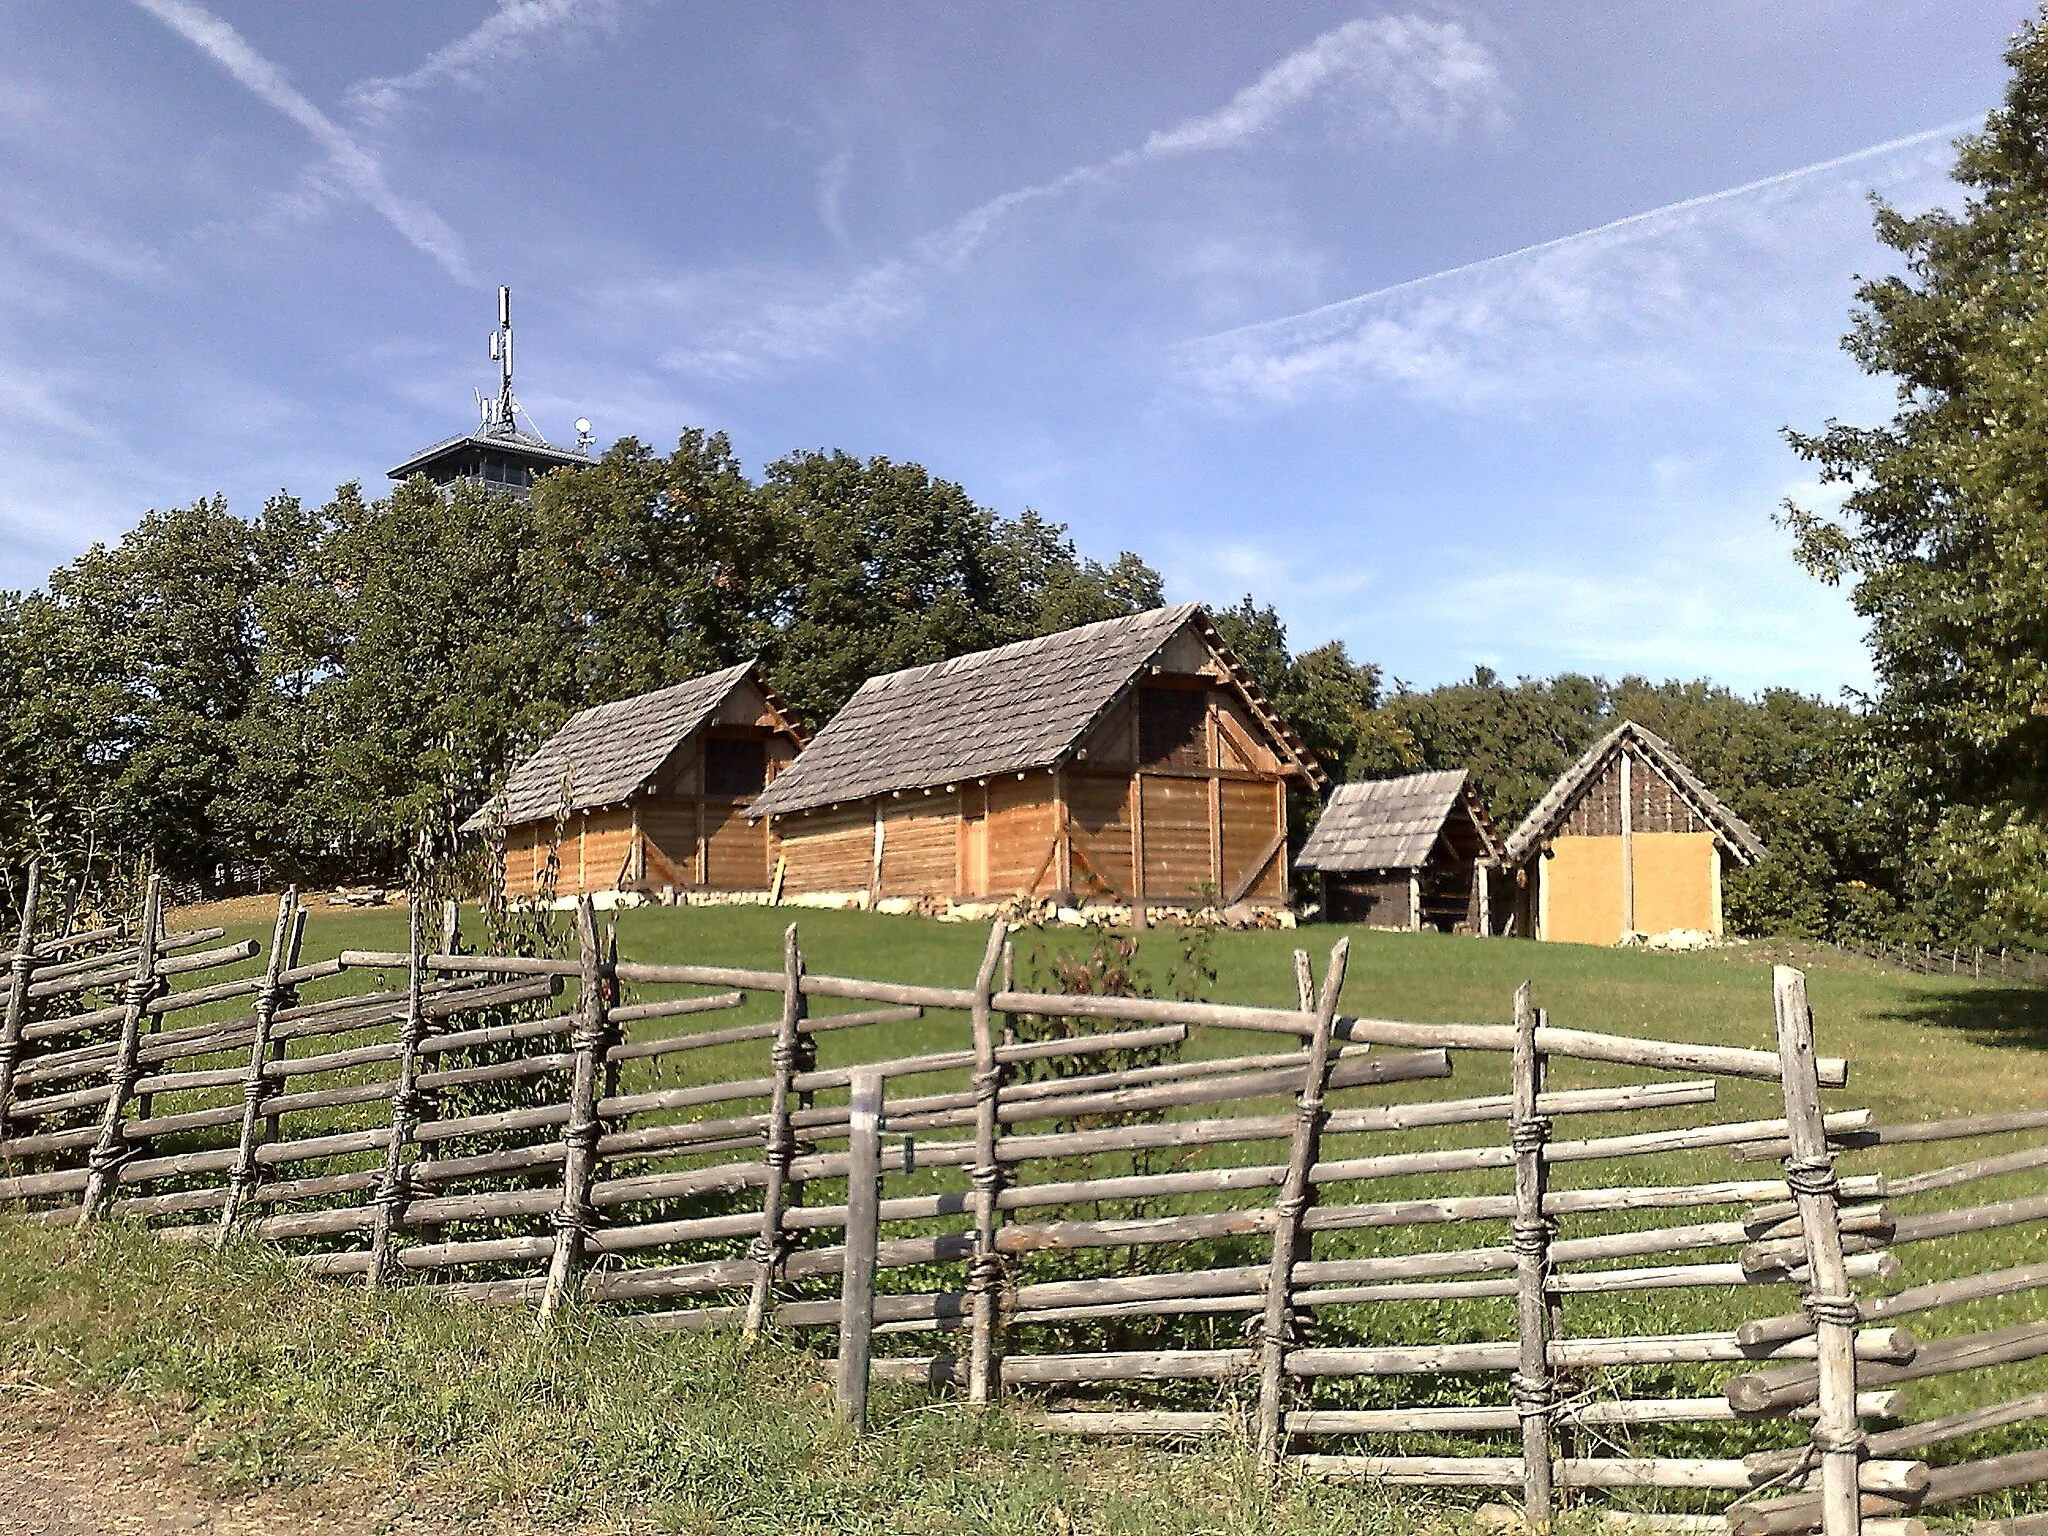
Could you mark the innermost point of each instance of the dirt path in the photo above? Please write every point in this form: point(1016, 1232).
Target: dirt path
point(73, 1467)
point(233, 910)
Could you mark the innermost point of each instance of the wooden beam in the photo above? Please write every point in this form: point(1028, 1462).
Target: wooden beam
point(1136, 814)
point(1251, 875)
point(1063, 827)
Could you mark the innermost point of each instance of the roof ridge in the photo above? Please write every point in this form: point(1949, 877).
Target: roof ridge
point(1665, 759)
point(994, 653)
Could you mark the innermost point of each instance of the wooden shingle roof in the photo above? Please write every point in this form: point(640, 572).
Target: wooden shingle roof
point(1007, 710)
point(607, 752)
point(1550, 812)
point(1387, 823)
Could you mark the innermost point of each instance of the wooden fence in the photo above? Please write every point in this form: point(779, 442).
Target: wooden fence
point(1975, 961)
point(1056, 1217)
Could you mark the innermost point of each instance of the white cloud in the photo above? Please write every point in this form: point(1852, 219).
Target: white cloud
point(1397, 74)
point(351, 163)
point(1641, 305)
point(510, 36)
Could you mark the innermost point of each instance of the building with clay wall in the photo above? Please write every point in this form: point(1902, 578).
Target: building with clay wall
point(1627, 842)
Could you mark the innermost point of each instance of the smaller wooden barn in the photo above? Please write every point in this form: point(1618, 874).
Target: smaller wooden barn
point(1130, 762)
point(1413, 852)
point(1628, 841)
point(648, 792)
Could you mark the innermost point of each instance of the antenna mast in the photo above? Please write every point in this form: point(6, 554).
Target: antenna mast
point(500, 415)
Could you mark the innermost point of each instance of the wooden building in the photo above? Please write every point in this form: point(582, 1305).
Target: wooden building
point(1629, 841)
point(648, 792)
point(1414, 852)
point(1133, 761)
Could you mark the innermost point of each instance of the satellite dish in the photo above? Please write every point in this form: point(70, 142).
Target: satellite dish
point(583, 424)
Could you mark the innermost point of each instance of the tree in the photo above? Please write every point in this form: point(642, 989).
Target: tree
point(887, 567)
point(1942, 534)
point(133, 667)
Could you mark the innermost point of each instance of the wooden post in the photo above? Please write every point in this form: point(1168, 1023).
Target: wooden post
point(1009, 985)
point(1137, 798)
point(111, 1150)
point(1563, 1436)
point(1628, 848)
point(1810, 1171)
point(393, 1189)
point(770, 1246)
point(1414, 902)
point(857, 1268)
point(1530, 1384)
point(17, 990)
point(575, 1218)
point(985, 1268)
point(1277, 1321)
point(271, 996)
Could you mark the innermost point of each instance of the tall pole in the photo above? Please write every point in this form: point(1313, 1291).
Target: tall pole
point(863, 1227)
point(1276, 1326)
point(780, 1147)
point(17, 989)
point(985, 1268)
point(1531, 1241)
point(1810, 1171)
point(574, 1219)
point(111, 1150)
point(270, 997)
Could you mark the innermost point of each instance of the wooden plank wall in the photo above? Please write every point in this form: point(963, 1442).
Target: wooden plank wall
point(1252, 814)
point(1023, 820)
point(920, 846)
point(828, 850)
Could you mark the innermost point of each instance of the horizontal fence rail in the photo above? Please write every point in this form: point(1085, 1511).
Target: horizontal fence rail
point(1134, 1216)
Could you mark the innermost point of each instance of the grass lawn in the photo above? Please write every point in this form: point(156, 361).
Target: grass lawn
point(287, 1376)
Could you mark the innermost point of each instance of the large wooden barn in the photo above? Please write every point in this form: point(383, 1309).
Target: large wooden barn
point(649, 792)
point(1132, 761)
point(1413, 852)
point(1628, 841)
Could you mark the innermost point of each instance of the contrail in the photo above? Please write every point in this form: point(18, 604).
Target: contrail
point(1684, 205)
point(355, 166)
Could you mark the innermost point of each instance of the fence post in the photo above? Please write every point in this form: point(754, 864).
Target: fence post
point(863, 1226)
point(1276, 1325)
point(985, 1268)
point(1530, 1384)
point(23, 966)
point(393, 1190)
point(1810, 1172)
point(1009, 985)
point(270, 997)
point(111, 1150)
point(770, 1244)
point(575, 1219)
point(430, 1100)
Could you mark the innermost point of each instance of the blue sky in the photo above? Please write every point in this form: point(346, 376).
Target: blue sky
point(1463, 333)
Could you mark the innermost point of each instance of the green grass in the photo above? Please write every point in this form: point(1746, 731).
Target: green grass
point(286, 1380)
point(1919, 1048)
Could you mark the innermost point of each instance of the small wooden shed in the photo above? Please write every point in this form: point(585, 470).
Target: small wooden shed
point(648, 792)
point(1133, 761)
point(1413, 852)
point(1628, 841)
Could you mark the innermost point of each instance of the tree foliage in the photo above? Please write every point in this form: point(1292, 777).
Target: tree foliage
point(327, 691)
point(1941, 533)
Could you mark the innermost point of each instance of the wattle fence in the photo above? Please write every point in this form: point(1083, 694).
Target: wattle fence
point(1102, 1210)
